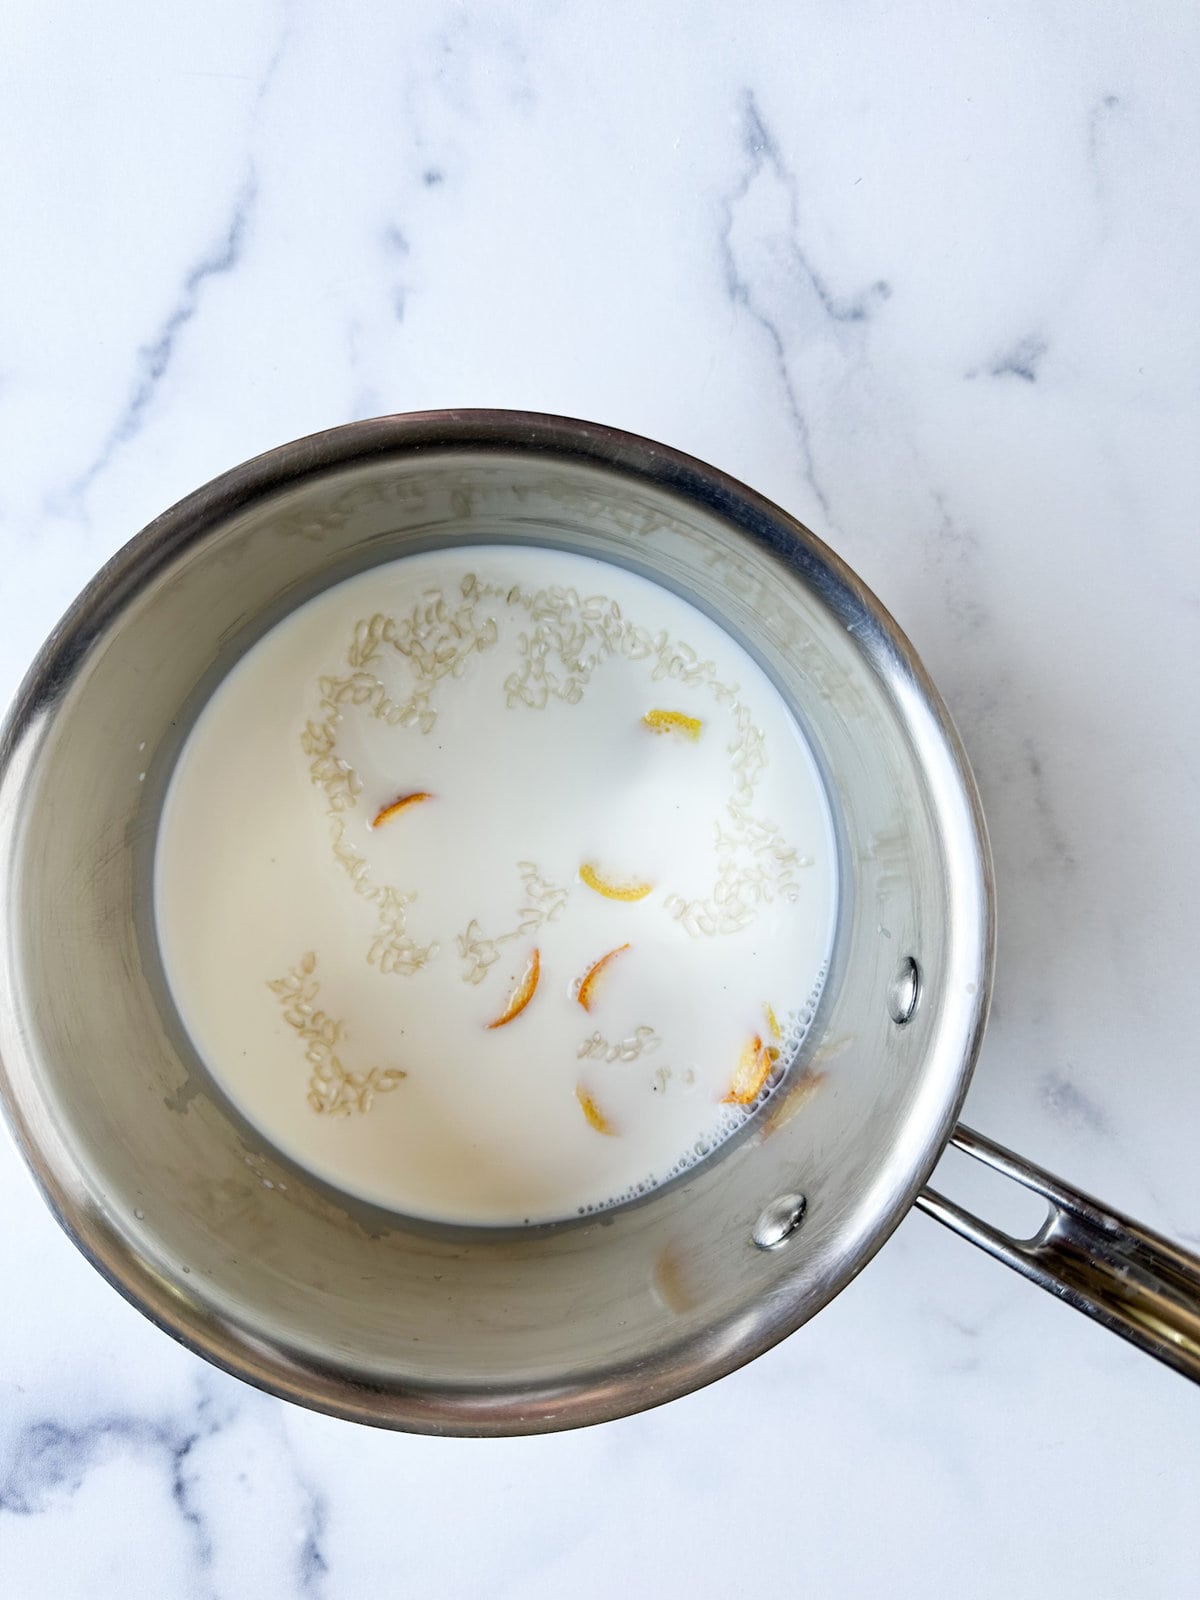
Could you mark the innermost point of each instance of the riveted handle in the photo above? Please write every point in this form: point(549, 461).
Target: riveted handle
point(1133, 1281)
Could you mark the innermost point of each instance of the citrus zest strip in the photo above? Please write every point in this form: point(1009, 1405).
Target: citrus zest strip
point(753, 1068)
point(596, 1118)
point(588, 983)
point(673, 722)
point(522, 994)
point(401, 803)
point(773, 1023)
point(610, 890)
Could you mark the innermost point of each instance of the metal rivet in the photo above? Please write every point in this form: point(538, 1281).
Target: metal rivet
point(904, 991)
point(779, 1221)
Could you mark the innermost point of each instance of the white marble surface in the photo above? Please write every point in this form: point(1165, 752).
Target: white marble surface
point(926, 274)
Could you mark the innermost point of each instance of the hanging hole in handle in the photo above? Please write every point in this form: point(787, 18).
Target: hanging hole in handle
point(1011, 1207)
point(904, 991)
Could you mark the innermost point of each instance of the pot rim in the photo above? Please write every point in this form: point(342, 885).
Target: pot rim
point(321, 1385)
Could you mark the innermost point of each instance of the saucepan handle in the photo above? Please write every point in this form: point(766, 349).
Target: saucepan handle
point(1132, 1280)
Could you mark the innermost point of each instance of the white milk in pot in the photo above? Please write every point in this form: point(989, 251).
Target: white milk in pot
point(496, 885)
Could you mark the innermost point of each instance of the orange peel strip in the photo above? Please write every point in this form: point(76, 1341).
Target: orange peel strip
point(523, 993)
point(401, 803)
point(596, 1118)
point(673, 722)
point(610, 890)
point(587, 984)
point(753, 1069)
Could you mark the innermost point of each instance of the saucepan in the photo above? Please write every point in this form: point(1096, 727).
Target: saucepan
point(316, 1297)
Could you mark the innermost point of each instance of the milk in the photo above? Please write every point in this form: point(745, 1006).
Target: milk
point(496, 885)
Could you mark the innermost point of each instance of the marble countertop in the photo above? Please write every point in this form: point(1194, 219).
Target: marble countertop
point(926, 275)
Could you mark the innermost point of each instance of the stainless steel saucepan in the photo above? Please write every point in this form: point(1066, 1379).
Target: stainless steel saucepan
point(369, 1315)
